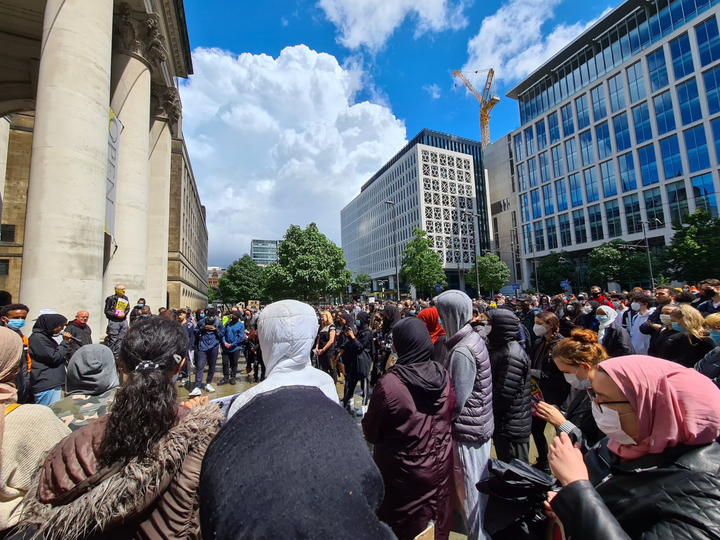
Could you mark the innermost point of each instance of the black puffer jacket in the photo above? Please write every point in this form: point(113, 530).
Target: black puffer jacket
point(617, 342)
point(673, 495)
point(710, 365)
point(510, 367)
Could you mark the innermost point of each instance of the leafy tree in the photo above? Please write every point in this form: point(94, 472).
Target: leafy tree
point(492, 272)
point(213, 294)
point(309, 265)
point(690, 257)
point(551, 271)
point(242, 281)
point(362, 283)
point(615, 261)
point(421, 266)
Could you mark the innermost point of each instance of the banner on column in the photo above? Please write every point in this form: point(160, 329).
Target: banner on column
point(115, 128)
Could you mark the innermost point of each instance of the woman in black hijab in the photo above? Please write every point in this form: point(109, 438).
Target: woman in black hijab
point(47, 375)
point(357, 342)
point(391, 316)
point(410, 415)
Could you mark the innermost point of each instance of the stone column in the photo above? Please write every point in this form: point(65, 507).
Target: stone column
point(4, 139)
point(165, 110)
point(137, 47)
point(63, 253)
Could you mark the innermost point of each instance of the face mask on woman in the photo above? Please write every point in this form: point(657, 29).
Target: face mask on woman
point(587, 310)
point(602, 318)
point(539, 330)
point(715, 335)
point(608, 421)
point(678, 328)
point(576, 383)
point(665, 319)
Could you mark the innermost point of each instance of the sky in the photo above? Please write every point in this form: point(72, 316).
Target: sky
point(294, 104)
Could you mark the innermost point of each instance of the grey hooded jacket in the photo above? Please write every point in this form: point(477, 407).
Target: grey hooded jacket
point(469, 367)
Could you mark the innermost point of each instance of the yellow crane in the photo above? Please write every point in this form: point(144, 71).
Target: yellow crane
point(488, 99)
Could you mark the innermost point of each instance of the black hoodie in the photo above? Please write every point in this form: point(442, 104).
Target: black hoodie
point(48, 358)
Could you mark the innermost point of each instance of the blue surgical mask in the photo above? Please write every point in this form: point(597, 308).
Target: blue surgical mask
point(715, 335)
point(16, 324)
point(202, 315)
point(678, 328)
point(357, 323)
point(602, 318)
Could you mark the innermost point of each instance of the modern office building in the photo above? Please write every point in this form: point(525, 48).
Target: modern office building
point(264, 252)
point(436, 183)
point(620, 132)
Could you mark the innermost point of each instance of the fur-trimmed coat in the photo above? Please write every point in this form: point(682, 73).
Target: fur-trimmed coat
point(150, 499)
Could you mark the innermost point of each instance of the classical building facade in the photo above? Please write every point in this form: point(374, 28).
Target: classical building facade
point(97, 183)
point(620, 134)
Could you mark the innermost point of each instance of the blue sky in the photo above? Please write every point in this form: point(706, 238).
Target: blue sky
point(288, 140)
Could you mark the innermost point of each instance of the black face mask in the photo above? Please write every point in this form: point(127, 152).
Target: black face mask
point(596, 295)
point(707, 294)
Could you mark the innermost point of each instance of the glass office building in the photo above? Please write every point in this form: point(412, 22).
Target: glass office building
point(264, 252)
point(621, 131)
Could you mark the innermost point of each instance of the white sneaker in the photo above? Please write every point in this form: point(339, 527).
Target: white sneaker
point(209, 388)
point(196, 392)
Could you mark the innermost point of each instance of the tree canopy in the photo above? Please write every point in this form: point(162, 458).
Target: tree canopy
point(551, 271)
point(242, 281)
point(421, 266)
point(690, 257)
point(362, 283)
point(491, 271)
point(618, 262)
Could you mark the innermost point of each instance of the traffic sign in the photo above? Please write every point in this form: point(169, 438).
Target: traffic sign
point(515, 286)
point(437, 288)
point(563, 284)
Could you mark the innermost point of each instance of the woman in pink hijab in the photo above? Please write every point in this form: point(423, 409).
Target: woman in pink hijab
point(657, 474)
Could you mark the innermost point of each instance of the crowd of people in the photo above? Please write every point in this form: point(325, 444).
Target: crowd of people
point(96, 442)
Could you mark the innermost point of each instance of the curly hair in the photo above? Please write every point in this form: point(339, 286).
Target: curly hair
point(145, 407)
point(581, 347)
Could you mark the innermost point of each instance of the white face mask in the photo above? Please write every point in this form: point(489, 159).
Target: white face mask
point(576, 383)
point(587, 310)
point(485, 330)
point(539, 330)
point(635, 306)
point(665, 319)
point(608, 421)
point(616, 305)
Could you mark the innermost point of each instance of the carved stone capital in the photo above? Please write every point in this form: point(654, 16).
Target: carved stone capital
point(139, 36)
point(165, 105)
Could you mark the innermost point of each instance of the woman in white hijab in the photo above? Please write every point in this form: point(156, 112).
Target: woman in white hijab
point(287, 332)
point(616, 340)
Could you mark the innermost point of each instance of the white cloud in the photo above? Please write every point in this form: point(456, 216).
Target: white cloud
point(284, 21)
point(433, 90)
point(279, 141)
point(512, 40)
point(370, 23)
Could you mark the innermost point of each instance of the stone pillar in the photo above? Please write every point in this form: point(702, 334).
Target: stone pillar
point(4, 140)
point(63, 253)
point(137, 47)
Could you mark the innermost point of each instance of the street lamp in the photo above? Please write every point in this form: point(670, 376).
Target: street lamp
point(397, 266)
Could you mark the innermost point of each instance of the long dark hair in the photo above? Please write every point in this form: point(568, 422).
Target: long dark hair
point(145, 407)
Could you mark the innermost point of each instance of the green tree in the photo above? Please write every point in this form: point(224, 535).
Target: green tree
point(618, 262)
point(690, 257)
point(362, 283)
point(421, 266)
point(213, 294)
point(551, 271)
point(492, 272)
point(242, 281)
point(309, 265)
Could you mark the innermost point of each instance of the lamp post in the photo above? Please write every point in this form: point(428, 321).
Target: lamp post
point(397, 266)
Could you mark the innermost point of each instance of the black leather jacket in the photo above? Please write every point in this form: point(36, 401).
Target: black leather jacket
point(673, 495)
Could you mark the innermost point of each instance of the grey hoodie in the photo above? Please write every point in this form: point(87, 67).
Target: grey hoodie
point(91, 371)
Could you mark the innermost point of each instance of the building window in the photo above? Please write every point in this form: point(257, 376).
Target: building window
point(571, 153)
point(622, 132)
point(716, 137)
point(524, 208)
point(704, 193)
point(712, 89)
point(657, 70)
point(527, 238)
point(583, 113)
point(539, 238)
point(681, 57)
point(557, 162)
point(565, 236)
point(598, 101)
point(697, 150)
point(519, 147)
point(579, 224)
point(595, 219)
point(544, 167)
point(654, 209)
point(532, 172)
point(541, 135)
point(554, 128)
point(575, 190)
point(641, 118)
point(567, 120)
point(648, 165)
point(7, 233)
point(586, 148)
point(664, 113)
point(626, 166)
point(529, 141)
point(633, 219)
point(689, 100)
point(551, 233)
point(672, 162)
point(4, 267)
point(561, 193)
point(612, 216)
point(708, 41)
point(617, 98)
point(548, 199)
point(677, 200)
point(591, 185)
point(535, 199)
point(607, 173)
point(602, 134)
point(636, 82)
point(522, 182)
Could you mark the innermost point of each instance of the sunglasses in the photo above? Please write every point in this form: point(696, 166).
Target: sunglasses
point(593, 398)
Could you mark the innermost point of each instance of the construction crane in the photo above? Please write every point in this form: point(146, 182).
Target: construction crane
point(488, 99)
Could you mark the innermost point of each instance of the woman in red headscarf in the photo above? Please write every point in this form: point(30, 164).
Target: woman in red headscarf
point(657, 474)
point(432, 320)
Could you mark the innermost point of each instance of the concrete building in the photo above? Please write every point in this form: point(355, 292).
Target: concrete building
point(620, 132)
point(264, 252)
point(90, 141)
point(437, 184)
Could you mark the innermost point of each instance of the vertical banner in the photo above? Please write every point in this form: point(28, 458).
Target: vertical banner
point(115, 128)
